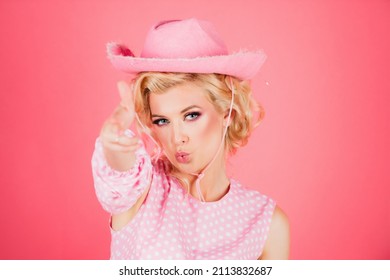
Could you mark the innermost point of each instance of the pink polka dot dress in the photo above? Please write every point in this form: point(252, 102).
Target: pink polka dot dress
point(171, 224)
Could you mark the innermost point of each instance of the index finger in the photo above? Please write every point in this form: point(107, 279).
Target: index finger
point(126, 94)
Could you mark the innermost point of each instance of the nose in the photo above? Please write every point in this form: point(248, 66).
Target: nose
point(179, 135)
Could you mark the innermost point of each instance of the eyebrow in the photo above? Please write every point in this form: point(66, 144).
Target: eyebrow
point(181, 112)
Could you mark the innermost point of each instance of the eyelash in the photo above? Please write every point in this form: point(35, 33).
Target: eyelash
point(196, 116)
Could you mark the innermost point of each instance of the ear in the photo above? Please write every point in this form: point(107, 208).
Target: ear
point(226, 120)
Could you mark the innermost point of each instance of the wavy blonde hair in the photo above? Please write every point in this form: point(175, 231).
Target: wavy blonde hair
point(219, 93)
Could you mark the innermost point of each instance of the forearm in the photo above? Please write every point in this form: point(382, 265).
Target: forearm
point(118, 190)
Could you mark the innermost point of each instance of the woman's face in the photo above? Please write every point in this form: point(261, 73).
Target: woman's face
point(187, 126)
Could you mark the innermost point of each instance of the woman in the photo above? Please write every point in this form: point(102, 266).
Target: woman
point(190, 96)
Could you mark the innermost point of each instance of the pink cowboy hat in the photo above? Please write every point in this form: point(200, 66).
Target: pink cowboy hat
point(187, 46)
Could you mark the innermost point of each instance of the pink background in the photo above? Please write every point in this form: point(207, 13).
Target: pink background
point(322, 151)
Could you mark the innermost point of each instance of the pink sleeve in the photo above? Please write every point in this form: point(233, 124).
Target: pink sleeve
point(118, 191)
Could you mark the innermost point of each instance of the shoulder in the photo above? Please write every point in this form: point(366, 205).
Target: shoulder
point(277, 245)
point(253, 198)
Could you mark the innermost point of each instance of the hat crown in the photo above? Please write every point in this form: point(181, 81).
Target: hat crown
point(188, 38)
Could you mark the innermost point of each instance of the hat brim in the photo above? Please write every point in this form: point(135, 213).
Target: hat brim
point(243, 65)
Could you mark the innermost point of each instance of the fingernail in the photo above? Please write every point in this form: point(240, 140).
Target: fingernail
point(129, 133)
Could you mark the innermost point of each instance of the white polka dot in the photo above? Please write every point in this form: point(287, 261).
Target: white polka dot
point(166, 222)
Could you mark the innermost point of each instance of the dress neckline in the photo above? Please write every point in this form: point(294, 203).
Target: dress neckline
point(232, 184)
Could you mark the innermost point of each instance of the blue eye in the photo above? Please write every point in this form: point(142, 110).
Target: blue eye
point(160, 122)
point(192, 116)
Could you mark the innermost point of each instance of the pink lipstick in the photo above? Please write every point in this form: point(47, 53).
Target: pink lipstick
point(182, 157)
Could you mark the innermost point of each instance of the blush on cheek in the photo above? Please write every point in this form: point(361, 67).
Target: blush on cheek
point(208, 131)
point(163, 139)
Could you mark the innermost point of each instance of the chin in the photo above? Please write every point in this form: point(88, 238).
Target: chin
point(184, 167)
point(189, 168)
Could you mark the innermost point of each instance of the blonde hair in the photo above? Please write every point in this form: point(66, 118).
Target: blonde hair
point(219, 93)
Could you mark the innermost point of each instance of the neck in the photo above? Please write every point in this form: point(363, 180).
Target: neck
point(213, 187)
point(215, 183)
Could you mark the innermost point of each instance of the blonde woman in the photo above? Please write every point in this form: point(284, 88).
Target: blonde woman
point(192, 98)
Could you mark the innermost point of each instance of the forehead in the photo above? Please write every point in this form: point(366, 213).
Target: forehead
point(176, 98)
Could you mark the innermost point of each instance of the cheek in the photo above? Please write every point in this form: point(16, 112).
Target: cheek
point(208, 129)
point(161, 136)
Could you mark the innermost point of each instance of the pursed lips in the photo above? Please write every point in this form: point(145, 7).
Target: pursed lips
point(182, 157)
